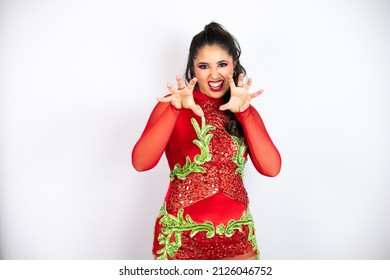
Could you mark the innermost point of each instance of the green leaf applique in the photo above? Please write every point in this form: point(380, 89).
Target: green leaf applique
point(239, 159)
point(202, 142)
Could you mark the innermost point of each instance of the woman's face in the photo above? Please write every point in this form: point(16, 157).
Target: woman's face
point(212, 67)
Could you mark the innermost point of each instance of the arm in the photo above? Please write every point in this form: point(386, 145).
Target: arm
point(262, 151)
point(151, 145)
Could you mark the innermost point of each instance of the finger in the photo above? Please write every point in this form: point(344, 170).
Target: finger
point(171, 88)
point(253, 95)
point(224, 107)
point(192, 83)
point(231, 81)
point(180, 82)
point(248, 84)
point(240, 81)
point(164, 99)
point(196, 109)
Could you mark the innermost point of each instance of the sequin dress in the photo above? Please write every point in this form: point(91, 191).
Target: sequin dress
point(205, 213)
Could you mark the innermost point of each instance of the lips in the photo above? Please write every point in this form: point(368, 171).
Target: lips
point(215, 85)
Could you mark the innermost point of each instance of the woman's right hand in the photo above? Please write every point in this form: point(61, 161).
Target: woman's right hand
point(183, 97)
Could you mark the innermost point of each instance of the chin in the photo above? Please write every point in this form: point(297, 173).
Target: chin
point(215, 94)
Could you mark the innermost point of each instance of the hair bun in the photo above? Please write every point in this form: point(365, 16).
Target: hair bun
point(214, 26)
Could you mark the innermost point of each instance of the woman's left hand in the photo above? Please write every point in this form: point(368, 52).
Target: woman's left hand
point(239, 95)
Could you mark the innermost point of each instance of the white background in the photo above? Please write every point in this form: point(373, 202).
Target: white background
point(78, 80)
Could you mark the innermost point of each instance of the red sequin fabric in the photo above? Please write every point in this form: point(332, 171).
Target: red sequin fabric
point(197, 186)
point(200, 247)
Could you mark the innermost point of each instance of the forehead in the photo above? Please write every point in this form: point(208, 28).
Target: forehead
point(212, 53)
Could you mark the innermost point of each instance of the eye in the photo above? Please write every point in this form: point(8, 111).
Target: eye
point(223, 64)
point(203, 66)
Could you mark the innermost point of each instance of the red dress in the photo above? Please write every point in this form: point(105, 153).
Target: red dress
point(205, 213)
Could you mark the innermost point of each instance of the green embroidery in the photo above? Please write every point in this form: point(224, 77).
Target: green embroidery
point(202, 142)
point(246, 219)
point(174, 226)
point(220, 229)
point(239, 159)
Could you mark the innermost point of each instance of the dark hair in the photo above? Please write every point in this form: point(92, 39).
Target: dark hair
point(215, 34)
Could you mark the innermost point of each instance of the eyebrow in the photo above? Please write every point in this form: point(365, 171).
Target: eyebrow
point(221, 61)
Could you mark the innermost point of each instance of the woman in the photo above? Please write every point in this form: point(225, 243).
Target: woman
point(207, 128)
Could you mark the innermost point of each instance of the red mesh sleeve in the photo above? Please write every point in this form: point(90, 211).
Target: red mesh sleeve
point(262, 151)
point(153, 141)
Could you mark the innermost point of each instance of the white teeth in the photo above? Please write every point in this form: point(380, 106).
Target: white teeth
point(217, 84)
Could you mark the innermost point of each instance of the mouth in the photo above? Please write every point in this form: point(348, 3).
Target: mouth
point(215, 86)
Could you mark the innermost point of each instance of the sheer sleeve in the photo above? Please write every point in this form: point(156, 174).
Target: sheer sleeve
point(262, 151)
point(153, 141)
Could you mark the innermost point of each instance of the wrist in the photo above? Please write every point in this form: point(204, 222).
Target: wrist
point(243, 115)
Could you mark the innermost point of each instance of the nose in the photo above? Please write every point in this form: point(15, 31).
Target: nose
point(214, 74)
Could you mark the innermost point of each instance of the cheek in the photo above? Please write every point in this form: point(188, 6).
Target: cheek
point(200, 75)
point(229, 70)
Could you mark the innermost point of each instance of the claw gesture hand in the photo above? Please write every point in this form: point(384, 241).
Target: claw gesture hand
point(239, 95)
point(182, 97)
